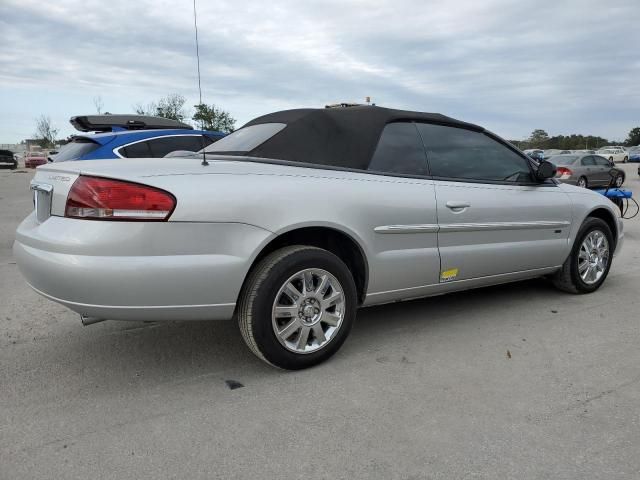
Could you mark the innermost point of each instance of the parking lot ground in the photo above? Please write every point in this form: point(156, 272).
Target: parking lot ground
point(515, 381)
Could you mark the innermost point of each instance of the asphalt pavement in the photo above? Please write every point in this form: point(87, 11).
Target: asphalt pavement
point(515, 381)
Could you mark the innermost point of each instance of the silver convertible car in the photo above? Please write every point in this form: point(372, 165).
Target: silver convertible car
point(299, 218)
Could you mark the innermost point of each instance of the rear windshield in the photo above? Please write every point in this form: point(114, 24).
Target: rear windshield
point(76, 149)
point(245, 139)
point(563, 159)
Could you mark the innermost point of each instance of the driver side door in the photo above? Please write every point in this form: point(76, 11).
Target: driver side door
point(493, 218)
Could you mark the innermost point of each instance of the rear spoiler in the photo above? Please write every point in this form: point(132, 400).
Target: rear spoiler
point(110, 123)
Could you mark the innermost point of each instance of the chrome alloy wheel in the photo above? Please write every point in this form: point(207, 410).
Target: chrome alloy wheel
point(593, 257)
point(308, 310)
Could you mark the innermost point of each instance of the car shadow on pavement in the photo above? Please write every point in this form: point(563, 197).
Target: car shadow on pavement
point(468, 305)
point(117, 353)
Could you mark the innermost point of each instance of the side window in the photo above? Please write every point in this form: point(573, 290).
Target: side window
point(399, 151)
point(588, 161)
point(164, 145)
point(136, 150)
point(603, 162)
point(458, 153)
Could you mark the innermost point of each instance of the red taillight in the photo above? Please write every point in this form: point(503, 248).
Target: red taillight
point(563, 172)
point(104, 199)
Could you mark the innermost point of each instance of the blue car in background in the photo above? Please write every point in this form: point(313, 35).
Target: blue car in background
point(123, 136)
point(634, 154)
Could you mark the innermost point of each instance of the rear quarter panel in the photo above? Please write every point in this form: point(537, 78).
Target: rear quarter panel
point(352, 203)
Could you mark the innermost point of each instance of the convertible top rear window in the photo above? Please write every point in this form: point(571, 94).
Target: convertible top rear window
point(245, 139)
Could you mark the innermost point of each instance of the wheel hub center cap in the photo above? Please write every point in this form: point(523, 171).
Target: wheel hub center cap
point(308, 311)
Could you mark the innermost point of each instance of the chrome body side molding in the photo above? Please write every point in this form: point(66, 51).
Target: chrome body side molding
point(423, 228)
point(472, 227)
point(469, 227)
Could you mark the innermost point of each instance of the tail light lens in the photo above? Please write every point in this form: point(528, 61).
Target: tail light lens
point(105, 199)
point(563, 172)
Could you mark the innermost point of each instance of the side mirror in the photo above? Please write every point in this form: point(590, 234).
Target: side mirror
point(545, 170)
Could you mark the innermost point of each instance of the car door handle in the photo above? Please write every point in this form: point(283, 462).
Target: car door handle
point(456, 205)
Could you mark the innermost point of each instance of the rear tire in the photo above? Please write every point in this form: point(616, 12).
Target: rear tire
point(571, 277)
point(296, 333)
point(625, 159)
point(582, 182)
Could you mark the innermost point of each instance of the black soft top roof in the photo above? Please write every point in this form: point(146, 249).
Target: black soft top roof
point(341, 137)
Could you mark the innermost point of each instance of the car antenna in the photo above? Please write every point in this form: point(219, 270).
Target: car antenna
point(195, 25)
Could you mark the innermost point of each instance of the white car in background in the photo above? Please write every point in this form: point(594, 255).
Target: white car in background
point(614, 154)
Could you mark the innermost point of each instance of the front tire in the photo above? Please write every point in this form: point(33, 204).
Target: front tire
point(587, 267)
point(297, 307)
point(625, 159)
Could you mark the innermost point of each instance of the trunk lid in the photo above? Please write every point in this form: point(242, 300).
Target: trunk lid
point(52, 182)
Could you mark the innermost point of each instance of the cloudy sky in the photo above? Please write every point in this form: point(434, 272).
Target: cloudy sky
point(565, 66)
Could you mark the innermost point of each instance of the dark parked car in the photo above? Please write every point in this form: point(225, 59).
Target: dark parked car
point(8, 160)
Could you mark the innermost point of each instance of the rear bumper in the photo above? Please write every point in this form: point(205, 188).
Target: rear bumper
point(137, 270)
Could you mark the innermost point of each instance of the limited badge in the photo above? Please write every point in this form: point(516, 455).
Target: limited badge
point(448, 275)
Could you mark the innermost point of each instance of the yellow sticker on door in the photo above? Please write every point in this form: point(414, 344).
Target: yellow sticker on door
point(448, 275)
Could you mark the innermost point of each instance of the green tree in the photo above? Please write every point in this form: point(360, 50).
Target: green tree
point(171, 106)
point(633, 138)
point(46, 133)
point(210, 117)
point(538, 138)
